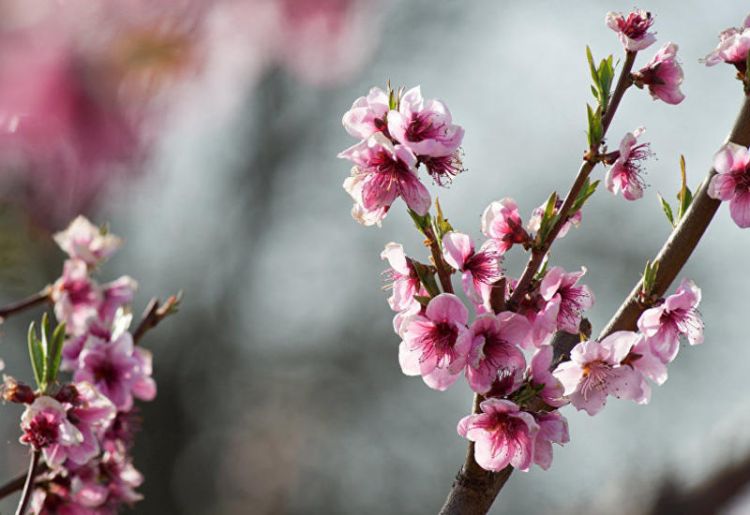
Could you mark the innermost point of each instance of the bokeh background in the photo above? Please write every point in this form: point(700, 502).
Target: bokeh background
point(206, 133)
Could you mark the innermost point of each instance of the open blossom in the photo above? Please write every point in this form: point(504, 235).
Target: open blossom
point(732, 181)
point(443, 168)
point(553, 428)
point(573, 299)
point(389, 172)
point(625, 173)
point(76, 296)
point(494, 341)
point(595, 371)
point(501, 222)
point(353, 186)
point(435, 344)
point(733, 47)
point(541, 375)
point(45, 423)
point(404, 281)
point(632, 29)
point(87, 242)
point(367, 114)
point(503, 435)
point(643, 359)
point(676, 316)
point(119, 370)
point(663, 75)
point(424, 126)
point(535, 222)
point(480, 268)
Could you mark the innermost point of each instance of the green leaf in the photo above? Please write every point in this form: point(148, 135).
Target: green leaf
point(422, 300)
point(421, 221)
point(548, 217)
point(442, 226)
point(589, 188)
point(426, 276)
point(36, 355)
point(55, 354)
point(592, 67)
point(667, 209)
point(595, 125)
point(649, 277)
point(685, 196)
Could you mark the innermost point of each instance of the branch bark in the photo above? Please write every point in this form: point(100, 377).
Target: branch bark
point(27, 303)
point(683, 240)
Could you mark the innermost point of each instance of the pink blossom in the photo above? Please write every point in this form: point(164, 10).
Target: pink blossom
point(353, 186)
point(494, 341)
point(90, 413)
point(553, 428)
point(390, 172)
point(595, 371)
point(480, 269)
point(501, 222)
point(503, 435)
point(115, 295)
point(76, 296)
point(402, 276)
point(541, 375)
point(435, 345)
point(535, 222)
point(663, 75)
point(367, 114)
point(119, 370)
point(733, 47)
point(625, 173)
point(732, 181)
point(643, 359)
point(633, 29)
point(443, 168)
point(676, 316)
point(574, 299)
point(87, 242)
point(45, 424)
point(424, 126)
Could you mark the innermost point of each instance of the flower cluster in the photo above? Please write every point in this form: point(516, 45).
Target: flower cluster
point(85, 428)
point(398, 132)
point(521, 343)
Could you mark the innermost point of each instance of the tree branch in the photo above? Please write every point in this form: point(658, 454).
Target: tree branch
point(538, 254)
point(683, 240)
point(27, 303)
point(155, 313)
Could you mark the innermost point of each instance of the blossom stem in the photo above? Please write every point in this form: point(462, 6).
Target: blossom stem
point(443, 270)
point(155, 313)
point(682, 241)
point(538, 254)
point(28, 486)
point(27, 303)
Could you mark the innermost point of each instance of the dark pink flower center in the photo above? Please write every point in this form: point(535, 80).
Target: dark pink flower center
point(635, 25)
point(422, 127)
point(395, 169)
point(444, 168)
point(107, 372)
point(43, 431)
point(741, 180)
point(440, 341)
point(596, 374)
point(682, 320)
point(79, 292)
point(573, 299)
point(484, 266)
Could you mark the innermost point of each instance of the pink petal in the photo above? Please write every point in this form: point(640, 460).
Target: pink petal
point(446, 307)
point(457, 248)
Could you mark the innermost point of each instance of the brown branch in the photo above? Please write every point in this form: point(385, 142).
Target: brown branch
point(538, 254)
point(28, 486)
point(27, 303)
point(154, 314)
point(683, 240)
point(443, 270)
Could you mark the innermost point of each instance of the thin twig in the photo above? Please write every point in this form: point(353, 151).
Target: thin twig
point(27, 303)
point(683, 240)
point(443, 270)
point(155, 313)
point(28, 486)
point(538, 254)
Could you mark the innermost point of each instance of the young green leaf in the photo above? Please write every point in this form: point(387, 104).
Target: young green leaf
point(442, 226)
point(37, 356)
point(426, 276)
point(422, 222)
point(667, 209)
point(685, 196)
point(55, 353)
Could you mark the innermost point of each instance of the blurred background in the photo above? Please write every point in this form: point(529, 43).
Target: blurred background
point(206, 132)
